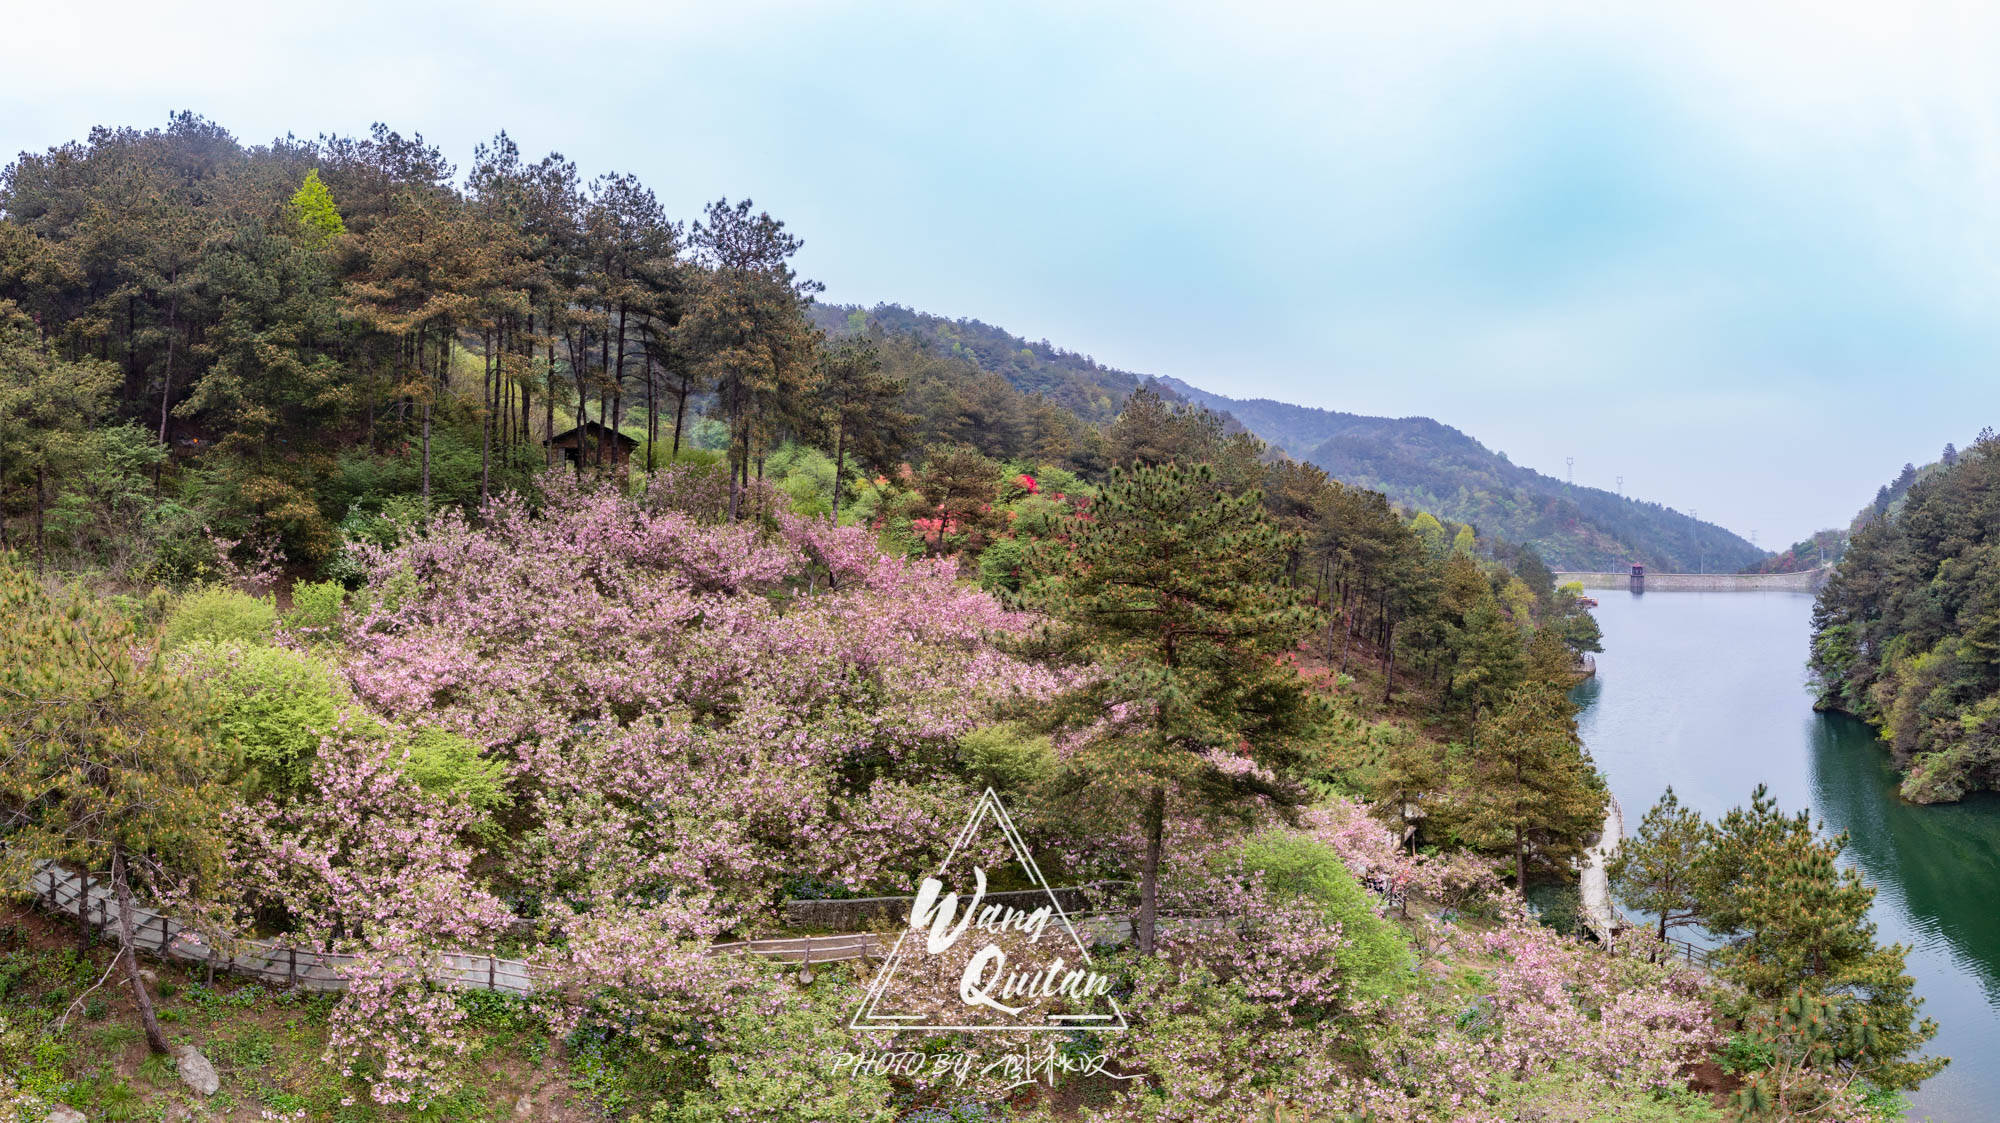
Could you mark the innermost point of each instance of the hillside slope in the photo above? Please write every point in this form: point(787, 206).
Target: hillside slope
point(1415, 461)
point(1422, 463)
point(1904, 634)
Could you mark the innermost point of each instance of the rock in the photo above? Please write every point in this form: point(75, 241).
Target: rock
point(60, 1114)
point(524, 1107)
point(195, 1070)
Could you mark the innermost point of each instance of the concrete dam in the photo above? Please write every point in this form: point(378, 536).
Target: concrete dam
point(1803, 581)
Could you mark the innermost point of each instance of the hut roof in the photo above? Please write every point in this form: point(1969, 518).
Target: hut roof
point(594, 431)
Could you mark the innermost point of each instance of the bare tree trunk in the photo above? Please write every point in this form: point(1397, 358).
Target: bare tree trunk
point(167, 376)
point(839, 466)
point(488, 399)
point(1347, 631)
point(121, 885)
point(167, 384)
point(41, 510)
point(1520, 862)
point(1389, 662)
point(618, 396)
point(652, 406)
point(549, 399)
point(680, 411)
point(1149, 873)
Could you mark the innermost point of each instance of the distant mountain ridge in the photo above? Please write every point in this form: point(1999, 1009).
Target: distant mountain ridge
point(1417, 462)
point(1428, 465)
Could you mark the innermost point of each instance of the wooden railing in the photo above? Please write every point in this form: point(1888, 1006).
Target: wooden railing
point(83, 896)
point(1691, 953)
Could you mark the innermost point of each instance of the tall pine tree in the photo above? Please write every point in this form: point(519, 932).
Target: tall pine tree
point(1172, 594)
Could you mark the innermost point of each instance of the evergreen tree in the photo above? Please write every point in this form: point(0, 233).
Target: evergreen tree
point(102, 759)
point(1654, 870)
point(1531, 790)
point(1801, 925)
point(1173, 595)
point(1488, 657)
point(858, 407)
point(47, 407)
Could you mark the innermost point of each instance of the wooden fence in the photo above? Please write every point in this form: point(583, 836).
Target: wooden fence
point(83, 896)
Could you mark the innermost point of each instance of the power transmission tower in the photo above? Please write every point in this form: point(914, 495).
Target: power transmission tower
point(1621, 487)
point(1569, 463)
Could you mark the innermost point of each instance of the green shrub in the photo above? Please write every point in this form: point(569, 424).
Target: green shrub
point(778, 1065)
point(1006, 756)
point(1000, 565)
point(1377, 960)
point(1745, 1053)
point(445, 764)
point(219, 613)
point(272, 705)
point(316, 609)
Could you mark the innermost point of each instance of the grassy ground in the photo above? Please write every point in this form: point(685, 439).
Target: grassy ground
point(266, 1045)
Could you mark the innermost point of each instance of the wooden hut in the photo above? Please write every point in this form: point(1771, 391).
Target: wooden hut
point(592, 443)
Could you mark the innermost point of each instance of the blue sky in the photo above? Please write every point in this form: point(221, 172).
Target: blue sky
point(1743, 256)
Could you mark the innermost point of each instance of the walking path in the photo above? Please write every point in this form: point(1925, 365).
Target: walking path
point(1598, 911)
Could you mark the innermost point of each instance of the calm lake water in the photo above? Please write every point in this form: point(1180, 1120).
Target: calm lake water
point(1706, 691)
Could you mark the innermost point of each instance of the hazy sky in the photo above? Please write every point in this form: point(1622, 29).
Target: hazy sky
point(1746, 256)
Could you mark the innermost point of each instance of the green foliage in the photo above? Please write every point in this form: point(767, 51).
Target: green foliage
point(1805, 946)
point(312, 207)
point(316, 609)
point(1000, 565)
point(1175, 592)
point(1744, 1053)
point(1531, 789)
point(1655, 870)
point(1377, 958)
point(222, 615)
point(1007, 756)
point(108, 762)
point(1906, 633)
point(446, 764)
point(273, 705)
point(805, 475)
point(778, 1065)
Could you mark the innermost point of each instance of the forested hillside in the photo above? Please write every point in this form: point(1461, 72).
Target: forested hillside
point(1075, 382)
point(1907, 633)
point(1418, 463)
point(397, 563)
point(1426, 465)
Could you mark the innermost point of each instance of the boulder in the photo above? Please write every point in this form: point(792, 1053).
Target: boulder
point(61, 1114)
point(195, 1070)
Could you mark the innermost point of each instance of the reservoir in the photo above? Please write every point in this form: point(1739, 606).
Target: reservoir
point(1707, 692)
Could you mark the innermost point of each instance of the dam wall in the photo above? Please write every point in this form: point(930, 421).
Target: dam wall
point(1803, 581)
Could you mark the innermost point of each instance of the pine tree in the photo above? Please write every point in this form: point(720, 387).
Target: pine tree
point(1532, 791)
point(858, 407)
point(1489, 664)
point(1172, 594)
point(102, 762)
point(1801, 925)
point(1654, 870)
